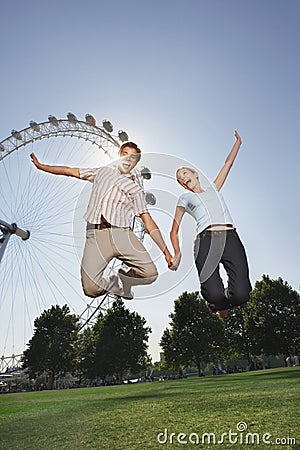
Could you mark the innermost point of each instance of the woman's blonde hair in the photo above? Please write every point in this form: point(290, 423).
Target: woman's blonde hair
point(186, 168)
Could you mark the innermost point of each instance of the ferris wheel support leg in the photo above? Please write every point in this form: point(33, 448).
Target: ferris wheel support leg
point(6, 230)
point(3, 243)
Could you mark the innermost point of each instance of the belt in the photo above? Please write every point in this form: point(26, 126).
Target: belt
point(101, 226)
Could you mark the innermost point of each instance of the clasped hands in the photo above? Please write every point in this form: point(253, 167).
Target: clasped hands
point(173, 261)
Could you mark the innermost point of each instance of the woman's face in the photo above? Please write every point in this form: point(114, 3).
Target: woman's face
point(187, 178)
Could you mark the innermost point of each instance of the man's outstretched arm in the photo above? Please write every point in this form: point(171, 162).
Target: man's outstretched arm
point(56, 170)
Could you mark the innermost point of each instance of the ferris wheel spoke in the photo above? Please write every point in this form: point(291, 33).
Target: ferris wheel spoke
point(31, 182)
point(41, 197)
point(6, 183)
point(55, 209)
point(20, 170)
point(32, 275)
point(61, 245)
point(40, 280)
point(7, 271)
point(43, 211)
point(27, 322)
point(15, 278)
point(56, 255)
point(53, 285)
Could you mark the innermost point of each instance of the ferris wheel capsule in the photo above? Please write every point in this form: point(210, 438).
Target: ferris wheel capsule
point(34, 125)
point(53, 120)
point(123, 136)
point(107, 125)
point(90, 120)
point(146, 173)
point(16, 134)
point(150, 198)
point(71, 117)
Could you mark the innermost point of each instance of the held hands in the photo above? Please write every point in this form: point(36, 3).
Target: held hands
point(175, 261)
point(169, 259)
point(172, 261)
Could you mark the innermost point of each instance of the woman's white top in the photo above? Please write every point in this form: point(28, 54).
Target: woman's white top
point(207, 207)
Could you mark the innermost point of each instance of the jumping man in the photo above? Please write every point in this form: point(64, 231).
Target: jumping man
point(115, 200)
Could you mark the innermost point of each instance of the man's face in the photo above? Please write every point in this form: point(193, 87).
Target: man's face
point(130, 158)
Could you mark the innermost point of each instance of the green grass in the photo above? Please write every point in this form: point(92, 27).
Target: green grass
point(131, 416)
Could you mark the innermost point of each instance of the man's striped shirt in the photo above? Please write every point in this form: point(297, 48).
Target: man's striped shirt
point(114, 196)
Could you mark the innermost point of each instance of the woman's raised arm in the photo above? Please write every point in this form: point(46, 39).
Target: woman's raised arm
point(222, 175)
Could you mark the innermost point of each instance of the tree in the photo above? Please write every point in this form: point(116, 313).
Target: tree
point(276, 317)
point(87, 353)
point(121, 342)
point(53, 347)
point(240, 334)
point(195, 335)
point(268, 324)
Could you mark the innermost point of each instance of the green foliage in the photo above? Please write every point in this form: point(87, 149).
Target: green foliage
point(240, 341)
point(276, 312)
point(53, 347)
point(87, 353)
point(194, 336)
point(268, 324)
point(121, 342)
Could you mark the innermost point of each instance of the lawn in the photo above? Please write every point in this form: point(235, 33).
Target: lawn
point(167, 415)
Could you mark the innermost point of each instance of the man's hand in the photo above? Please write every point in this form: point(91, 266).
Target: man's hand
point(35, 160)
point(169, 259)
point(175, 261)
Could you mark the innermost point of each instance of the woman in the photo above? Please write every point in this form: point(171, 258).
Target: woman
point(217, 240)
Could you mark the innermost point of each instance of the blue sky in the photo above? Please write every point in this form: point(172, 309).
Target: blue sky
point(179, 77)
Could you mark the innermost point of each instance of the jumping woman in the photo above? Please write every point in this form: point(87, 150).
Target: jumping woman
point(217, 241)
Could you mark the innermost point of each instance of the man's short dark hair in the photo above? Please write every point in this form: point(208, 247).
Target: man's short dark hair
point(131, 144)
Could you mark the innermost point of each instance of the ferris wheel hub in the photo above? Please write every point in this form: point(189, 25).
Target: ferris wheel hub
point(13, 228)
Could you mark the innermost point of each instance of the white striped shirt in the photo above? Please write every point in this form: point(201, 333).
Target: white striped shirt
point(114, 196)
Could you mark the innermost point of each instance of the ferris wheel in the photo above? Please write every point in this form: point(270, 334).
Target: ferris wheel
point(42, 230)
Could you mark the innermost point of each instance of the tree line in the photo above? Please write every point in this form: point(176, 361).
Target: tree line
point(116, 345)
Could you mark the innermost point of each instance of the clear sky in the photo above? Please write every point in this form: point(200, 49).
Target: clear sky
point(179, 77)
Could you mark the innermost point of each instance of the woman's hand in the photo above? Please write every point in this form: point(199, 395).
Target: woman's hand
point(175, 261)
point(169, 259)
point(237, 137)
point(222, 175)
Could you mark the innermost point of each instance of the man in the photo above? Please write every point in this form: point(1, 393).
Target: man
point(114, 202)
